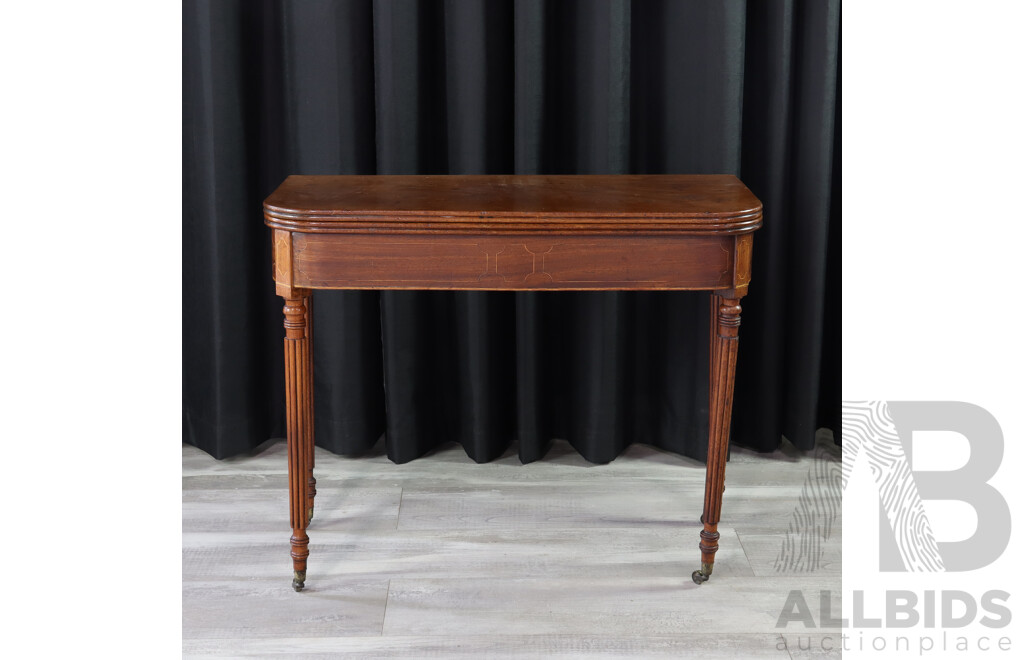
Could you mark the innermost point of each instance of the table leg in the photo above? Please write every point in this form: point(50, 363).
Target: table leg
point(299, 412)
point(308, 408)
point(725, 323)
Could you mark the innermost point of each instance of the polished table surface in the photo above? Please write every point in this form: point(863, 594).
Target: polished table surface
point(510, 233)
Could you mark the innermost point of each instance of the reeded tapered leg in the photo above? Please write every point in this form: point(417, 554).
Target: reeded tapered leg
point(299, 411)
point(310, 435)
point(725, 323)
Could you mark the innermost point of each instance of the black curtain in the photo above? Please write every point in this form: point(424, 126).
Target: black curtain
point(510, 86)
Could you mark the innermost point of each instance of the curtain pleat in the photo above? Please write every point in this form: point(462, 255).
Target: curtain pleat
point(509, 86)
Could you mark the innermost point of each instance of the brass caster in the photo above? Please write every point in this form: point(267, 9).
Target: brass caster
point(299, 581)
point(704, 574)
point(310, 518)
point(702, 518)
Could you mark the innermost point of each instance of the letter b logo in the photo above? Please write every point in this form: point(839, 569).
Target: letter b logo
point(882, 432)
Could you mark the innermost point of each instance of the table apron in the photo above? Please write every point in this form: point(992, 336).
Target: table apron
point(511, 261)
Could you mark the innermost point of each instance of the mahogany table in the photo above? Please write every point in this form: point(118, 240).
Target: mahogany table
point(509, 233)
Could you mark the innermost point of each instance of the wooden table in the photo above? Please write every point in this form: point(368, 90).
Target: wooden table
point(510, 233)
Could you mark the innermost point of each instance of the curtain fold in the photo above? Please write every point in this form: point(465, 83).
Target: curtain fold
point(509, 86)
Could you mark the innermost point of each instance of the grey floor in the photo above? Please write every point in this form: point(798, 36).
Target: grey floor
point(445, 558)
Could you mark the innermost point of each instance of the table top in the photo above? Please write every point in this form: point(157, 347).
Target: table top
point(693, 203)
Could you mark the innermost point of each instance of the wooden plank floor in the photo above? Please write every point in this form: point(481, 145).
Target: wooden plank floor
point(445, 558)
